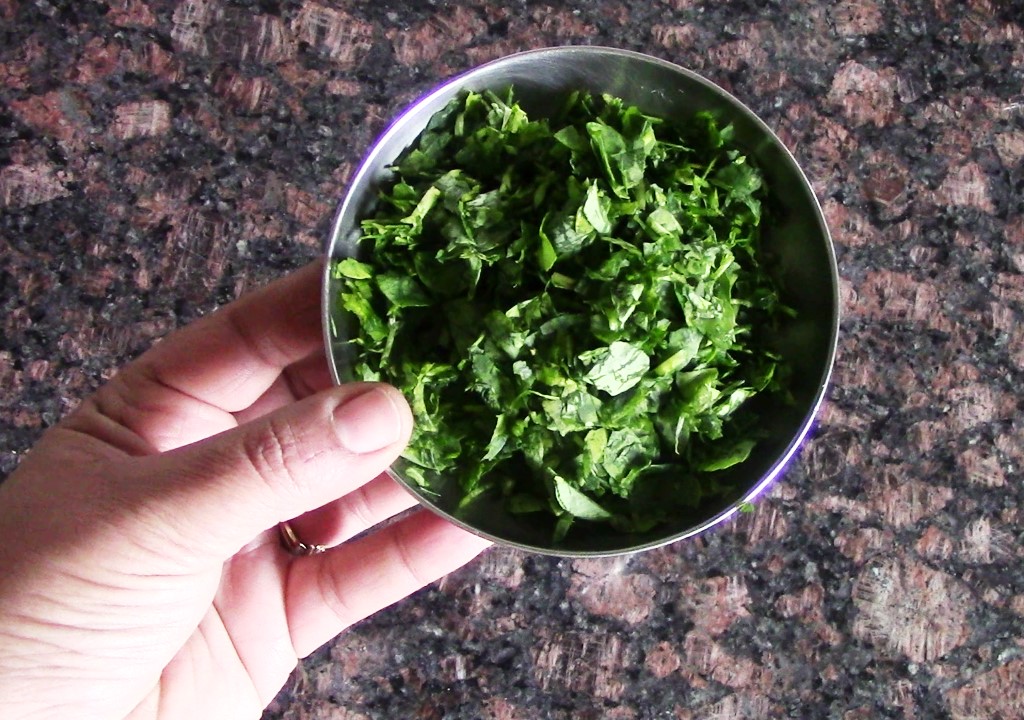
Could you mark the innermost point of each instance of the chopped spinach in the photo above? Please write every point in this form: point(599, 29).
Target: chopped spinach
point(576, 307)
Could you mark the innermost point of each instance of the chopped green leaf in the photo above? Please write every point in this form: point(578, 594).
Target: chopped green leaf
point(402, 291)
point(352, 269)
point(576, 503)
point(576, 307)
point(596, 208)
point(616, 368)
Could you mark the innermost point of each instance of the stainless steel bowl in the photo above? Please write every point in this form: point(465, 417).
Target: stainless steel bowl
point(798, 237)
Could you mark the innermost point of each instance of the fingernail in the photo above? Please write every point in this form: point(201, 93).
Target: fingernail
point(369, 422)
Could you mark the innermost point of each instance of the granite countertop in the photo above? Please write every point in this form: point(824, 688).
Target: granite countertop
point(159, 157)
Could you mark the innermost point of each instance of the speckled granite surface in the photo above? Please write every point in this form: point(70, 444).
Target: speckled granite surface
point(158, 158)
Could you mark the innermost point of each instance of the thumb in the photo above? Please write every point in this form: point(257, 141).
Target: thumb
point(220, 493)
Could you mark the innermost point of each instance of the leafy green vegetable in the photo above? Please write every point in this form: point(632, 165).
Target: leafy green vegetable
point(575, 306)
point(616, 368)
point(577, 503)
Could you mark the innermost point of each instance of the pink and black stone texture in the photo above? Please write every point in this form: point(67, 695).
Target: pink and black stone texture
point(158, 158)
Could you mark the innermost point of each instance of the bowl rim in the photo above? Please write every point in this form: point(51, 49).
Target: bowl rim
point(411, 111)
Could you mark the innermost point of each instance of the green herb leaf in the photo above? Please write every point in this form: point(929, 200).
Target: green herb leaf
point(576, 503)
point(616, 368)
point(402, 291)
point(577, 308)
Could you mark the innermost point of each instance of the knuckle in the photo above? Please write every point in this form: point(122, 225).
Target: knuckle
point(273, 454)
point(402, 551)
point(359, 508)
point(332, 597)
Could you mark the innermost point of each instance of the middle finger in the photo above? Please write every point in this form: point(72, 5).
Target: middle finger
point(363, 508)
point(297, 381)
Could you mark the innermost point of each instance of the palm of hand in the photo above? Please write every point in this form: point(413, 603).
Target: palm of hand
point(140, 577)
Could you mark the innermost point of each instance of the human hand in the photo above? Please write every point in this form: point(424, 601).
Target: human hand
point(140, 569)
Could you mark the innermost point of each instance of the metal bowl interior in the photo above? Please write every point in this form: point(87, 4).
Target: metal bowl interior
point(796, 237)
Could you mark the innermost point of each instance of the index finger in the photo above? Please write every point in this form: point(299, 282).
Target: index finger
point(229, 358)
